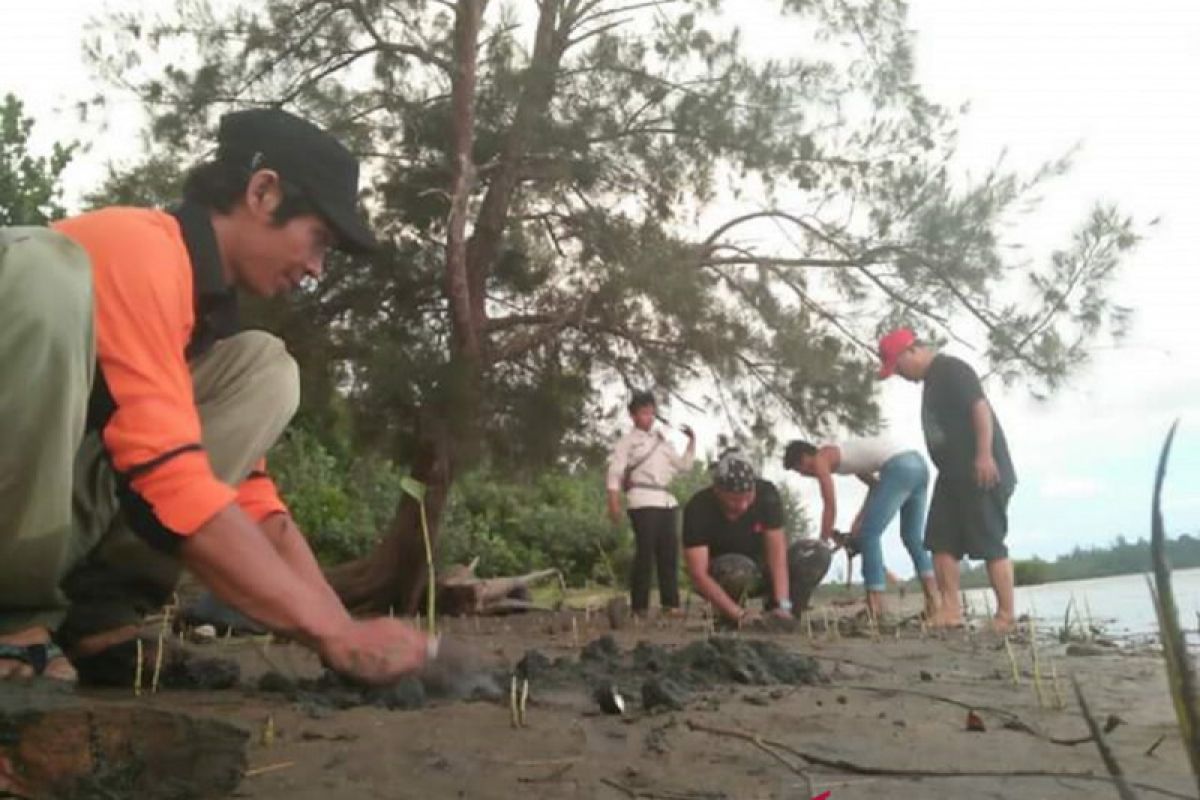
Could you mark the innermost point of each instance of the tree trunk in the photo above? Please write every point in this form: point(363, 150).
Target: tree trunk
point(55, 744)
point(392, 576)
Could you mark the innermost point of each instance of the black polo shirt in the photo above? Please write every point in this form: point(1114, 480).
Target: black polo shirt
point(705, 524)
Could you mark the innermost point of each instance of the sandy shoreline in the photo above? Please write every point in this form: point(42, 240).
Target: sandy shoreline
point(891, 702)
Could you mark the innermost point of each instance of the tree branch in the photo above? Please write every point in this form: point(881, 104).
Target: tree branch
point(494, 209)
point(419, 53)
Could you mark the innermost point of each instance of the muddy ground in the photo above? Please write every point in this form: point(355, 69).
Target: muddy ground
point(860, 701)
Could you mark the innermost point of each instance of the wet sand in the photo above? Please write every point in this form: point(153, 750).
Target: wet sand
point(886, 700)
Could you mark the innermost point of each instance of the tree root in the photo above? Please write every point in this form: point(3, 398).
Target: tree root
point(843, 765)
point(1013, 721)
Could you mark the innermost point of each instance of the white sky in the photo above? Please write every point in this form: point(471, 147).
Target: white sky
point(1040, 77)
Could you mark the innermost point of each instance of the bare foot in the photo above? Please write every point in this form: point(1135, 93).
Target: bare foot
point(947, 618)
point(56, 666)
point(1003, 623)
point(932, 608)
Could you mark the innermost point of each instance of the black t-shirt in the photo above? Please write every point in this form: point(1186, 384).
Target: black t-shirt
point(951, 390)
point(705, 524)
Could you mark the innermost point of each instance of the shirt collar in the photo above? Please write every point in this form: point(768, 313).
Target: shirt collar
point(216, 303)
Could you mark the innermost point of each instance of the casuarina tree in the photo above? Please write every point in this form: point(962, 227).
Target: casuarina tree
point(583, 194)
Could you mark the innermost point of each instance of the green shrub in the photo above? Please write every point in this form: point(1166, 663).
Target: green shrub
point(555, 520)
point(558, 519)
point(1032, 572)
point(341, 504)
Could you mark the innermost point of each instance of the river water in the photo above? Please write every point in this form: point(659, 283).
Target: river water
point(1120, 604)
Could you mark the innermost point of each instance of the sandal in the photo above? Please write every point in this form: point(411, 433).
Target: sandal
point(37, 656)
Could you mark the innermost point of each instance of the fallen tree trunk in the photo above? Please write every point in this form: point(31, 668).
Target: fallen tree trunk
point(56, 744)
point(461, 592)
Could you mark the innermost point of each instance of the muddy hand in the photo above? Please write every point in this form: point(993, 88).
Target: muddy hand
point(377, 651)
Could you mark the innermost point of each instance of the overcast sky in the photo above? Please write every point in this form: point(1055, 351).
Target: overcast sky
point(1040, 77)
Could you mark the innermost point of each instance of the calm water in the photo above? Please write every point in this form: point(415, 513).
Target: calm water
point(1121, 604)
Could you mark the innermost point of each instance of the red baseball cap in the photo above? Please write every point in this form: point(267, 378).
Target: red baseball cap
point(891, 347)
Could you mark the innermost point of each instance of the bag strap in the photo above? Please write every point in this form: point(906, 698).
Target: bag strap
point(629, 469)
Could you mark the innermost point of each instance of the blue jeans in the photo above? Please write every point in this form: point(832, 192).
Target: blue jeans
point(903, 483)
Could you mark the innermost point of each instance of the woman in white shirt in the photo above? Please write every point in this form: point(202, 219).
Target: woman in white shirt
point(897, 479)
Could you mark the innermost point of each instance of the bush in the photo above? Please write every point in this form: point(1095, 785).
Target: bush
point(1031, 573)
point(342, 504)
point(556, 520)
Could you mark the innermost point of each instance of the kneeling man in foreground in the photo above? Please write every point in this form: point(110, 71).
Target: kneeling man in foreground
point(735, 546)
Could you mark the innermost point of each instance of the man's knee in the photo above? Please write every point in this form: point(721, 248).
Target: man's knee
point(46, 291)
point(808, 563)
point(736, 574)
point(275, 375)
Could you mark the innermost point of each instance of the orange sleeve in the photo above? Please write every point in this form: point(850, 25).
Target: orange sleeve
point(144, 318)
point(258, 496)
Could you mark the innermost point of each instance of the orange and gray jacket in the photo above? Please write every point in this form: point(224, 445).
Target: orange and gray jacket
point(160, 300)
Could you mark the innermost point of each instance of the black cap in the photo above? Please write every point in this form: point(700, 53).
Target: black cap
point(734, 472)
point(270, 138)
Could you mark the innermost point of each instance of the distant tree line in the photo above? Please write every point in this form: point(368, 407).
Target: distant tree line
point(1122, 557)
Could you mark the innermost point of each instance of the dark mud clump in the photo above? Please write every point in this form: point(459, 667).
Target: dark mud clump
point(663, 693)
point(181, 669)
point(668, 677)
point(331, 692)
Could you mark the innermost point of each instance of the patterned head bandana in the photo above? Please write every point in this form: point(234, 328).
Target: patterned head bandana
point(734, 473)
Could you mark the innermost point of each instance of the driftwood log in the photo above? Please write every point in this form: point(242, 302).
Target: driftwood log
point(461, 592)
point(54, 744)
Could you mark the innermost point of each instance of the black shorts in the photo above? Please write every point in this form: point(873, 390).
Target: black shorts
point(967, 520)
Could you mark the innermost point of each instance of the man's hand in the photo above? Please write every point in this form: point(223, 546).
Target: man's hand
point(987, 474)
point(780, 613)
point(376, 651)
point(748, 616)
point(614, 507)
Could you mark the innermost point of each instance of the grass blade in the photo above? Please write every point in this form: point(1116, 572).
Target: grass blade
point(1181, 676)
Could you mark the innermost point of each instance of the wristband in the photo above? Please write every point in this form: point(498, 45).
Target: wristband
point(785, 604)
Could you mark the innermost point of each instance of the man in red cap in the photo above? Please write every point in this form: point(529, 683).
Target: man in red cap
point(968, 515)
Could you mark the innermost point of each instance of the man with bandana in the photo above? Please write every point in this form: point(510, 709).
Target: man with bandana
point(735, 546)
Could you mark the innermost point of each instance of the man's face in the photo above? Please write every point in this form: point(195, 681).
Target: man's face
point(805, 465)
point(734, 504)
point(908, 365)
point(269, 259)
point(643, 417)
